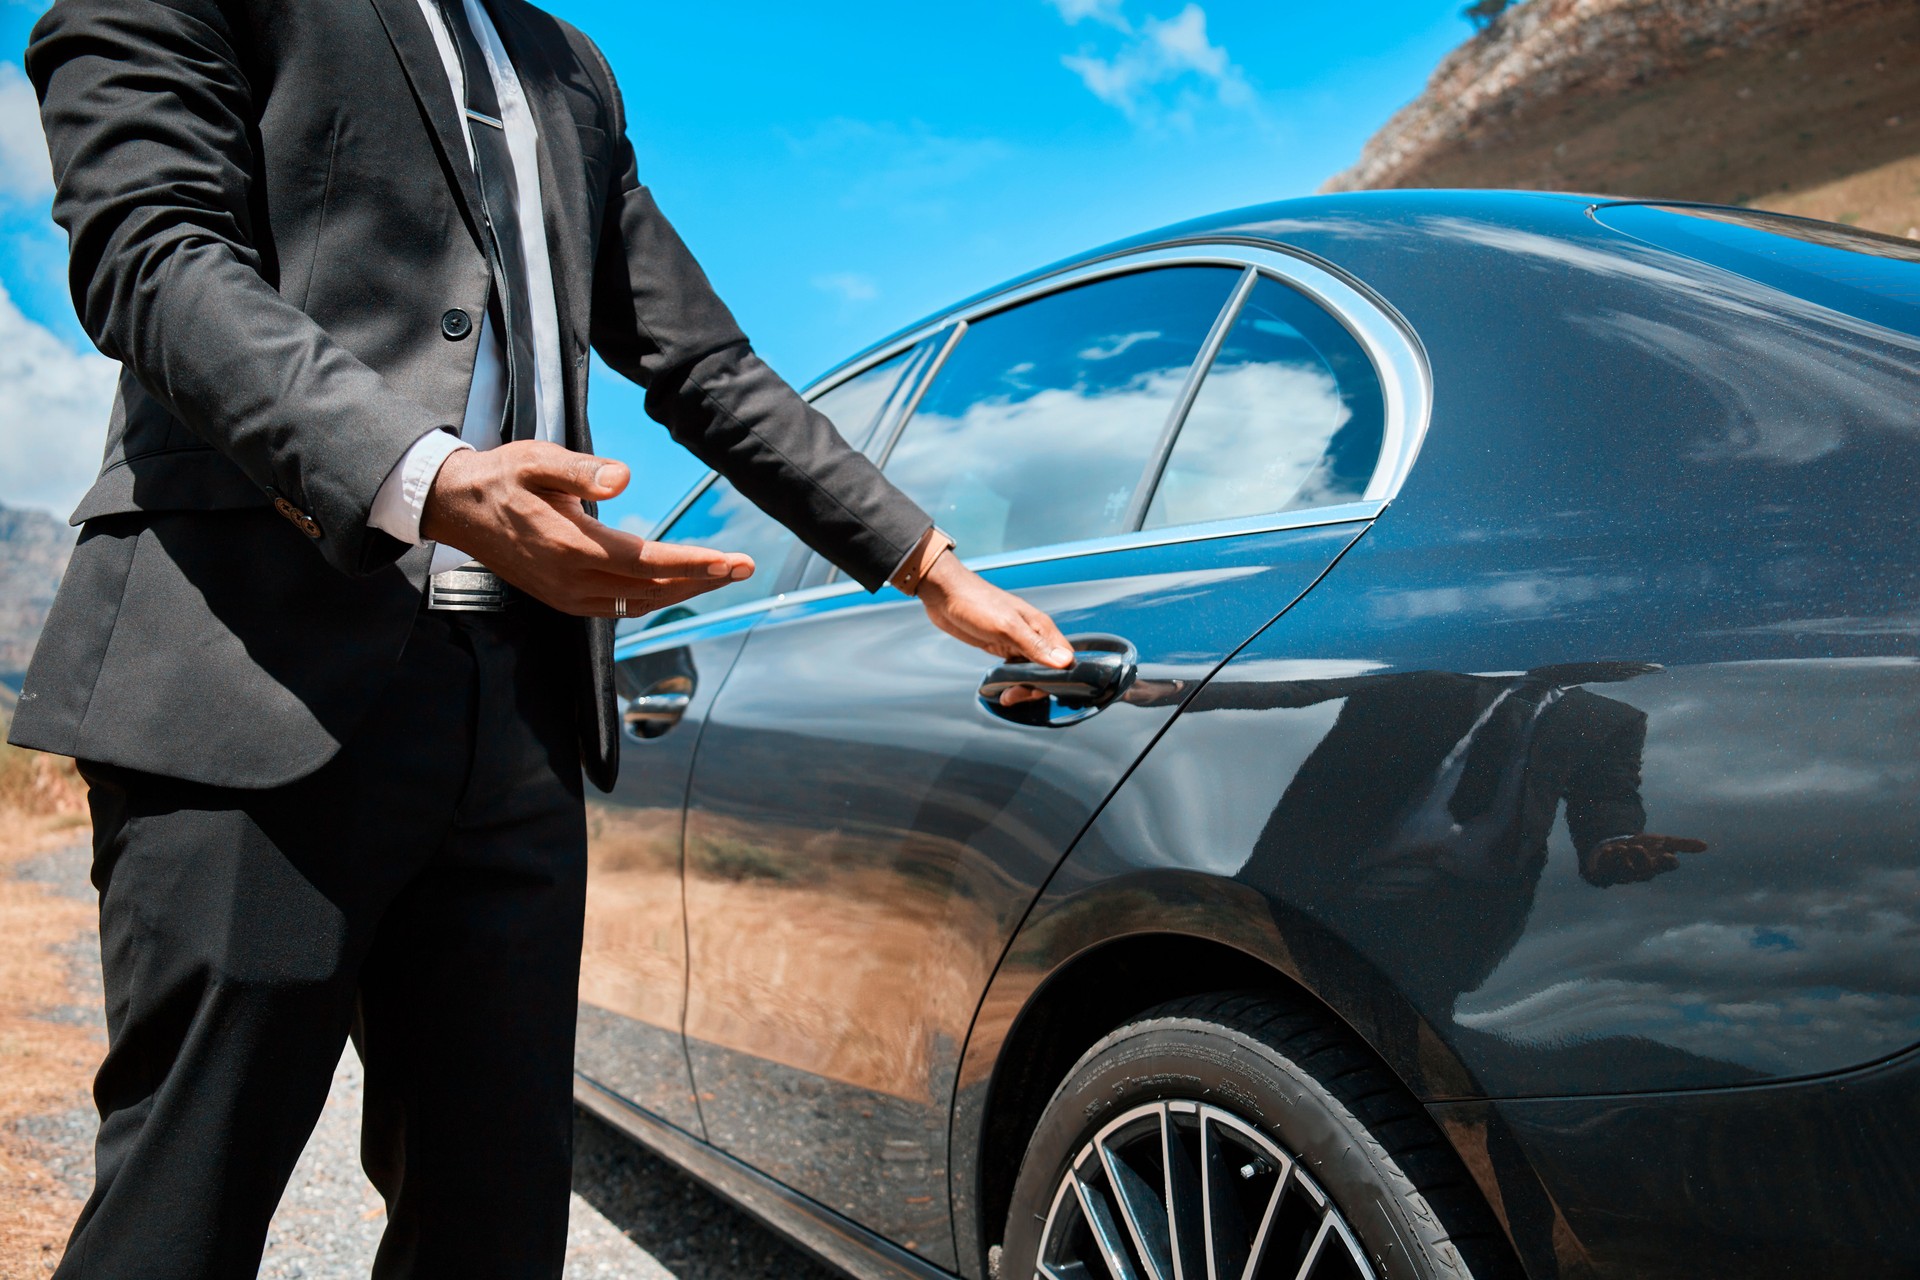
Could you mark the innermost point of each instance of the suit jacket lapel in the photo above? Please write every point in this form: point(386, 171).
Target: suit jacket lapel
point(420, 59)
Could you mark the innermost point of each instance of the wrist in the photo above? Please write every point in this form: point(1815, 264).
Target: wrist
point(942, 576)
point(451, 496)
point(929, 557)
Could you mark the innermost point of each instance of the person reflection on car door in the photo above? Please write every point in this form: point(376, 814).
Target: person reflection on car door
point(1417, 828)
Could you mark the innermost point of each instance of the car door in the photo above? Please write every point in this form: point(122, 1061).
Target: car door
point(668, 666)
point(1163, 456)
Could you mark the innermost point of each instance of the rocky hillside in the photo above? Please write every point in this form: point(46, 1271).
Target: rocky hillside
point(33, 554)
point(1807, 106)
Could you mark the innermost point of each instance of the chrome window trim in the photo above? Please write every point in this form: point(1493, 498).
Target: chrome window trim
point(1170, 535)
point(911, 404)
point(1406, 382)
point(1406, 387)
point(1143, 489)
point(665, 522)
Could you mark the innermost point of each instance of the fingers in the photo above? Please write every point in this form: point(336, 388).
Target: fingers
point(1635, 859)
point(642, 600)
point(628, 555)
point(967, 607)
point(550, 467)
point(673, 560)
point(1045, 643)
point(581, 475)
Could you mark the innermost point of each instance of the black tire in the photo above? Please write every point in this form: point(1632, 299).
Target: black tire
point(1399, 1197)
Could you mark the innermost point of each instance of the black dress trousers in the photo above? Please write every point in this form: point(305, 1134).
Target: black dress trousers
point(422, 892)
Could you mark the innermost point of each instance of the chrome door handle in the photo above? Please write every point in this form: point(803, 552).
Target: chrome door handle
point(653, 713)
point(1103, 668)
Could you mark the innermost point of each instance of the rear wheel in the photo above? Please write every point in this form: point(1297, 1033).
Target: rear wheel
point(1239, 1137)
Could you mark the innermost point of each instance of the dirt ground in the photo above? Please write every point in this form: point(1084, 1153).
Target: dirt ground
point(633, 1218)
point(51, 1036)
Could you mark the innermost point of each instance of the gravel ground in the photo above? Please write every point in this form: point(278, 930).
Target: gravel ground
point(634, 1216)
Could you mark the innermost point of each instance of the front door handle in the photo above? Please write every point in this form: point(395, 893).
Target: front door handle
point(1103, 668)
point(658, 709)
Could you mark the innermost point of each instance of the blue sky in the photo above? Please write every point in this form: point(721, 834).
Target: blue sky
point(842, 169)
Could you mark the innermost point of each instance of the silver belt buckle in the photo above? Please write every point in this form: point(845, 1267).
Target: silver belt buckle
point(468, 589)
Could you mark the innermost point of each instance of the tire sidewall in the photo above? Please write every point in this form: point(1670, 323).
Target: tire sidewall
point(1203, 1061)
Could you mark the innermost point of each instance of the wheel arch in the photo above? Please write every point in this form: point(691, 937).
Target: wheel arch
point(1090, 956)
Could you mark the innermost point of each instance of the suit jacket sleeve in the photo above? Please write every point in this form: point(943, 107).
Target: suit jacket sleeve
point(148, 115)
point(1603, 786)
point(657, 320)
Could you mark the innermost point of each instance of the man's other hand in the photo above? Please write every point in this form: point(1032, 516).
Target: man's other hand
point(1633, 859)
point(968, 607)
point(517, 510)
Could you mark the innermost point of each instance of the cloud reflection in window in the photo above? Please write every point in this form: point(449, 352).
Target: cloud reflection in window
point(1041, 423)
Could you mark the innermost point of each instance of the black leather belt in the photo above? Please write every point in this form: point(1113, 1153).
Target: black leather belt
point(468, 589)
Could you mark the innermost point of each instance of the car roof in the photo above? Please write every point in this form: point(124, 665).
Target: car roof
point(1270, 223)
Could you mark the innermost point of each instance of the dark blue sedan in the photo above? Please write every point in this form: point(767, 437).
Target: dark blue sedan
point(1479, 836)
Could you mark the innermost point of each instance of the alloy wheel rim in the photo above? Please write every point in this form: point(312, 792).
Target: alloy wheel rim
point(1183, 1190)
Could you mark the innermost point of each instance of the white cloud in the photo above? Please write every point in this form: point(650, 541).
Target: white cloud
point(848, 286)
point(54, 403)
point(1115, 344)
point(25, 173)
point(1164, 72)
point(1255, 440)
point(1105, 12)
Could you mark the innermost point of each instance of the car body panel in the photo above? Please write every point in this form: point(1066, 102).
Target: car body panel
point(1806, 1179)
point(633, 958)
point(863, 835)
point(827, 1235)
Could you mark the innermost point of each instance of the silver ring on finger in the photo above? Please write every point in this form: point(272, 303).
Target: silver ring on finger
point(619, 606)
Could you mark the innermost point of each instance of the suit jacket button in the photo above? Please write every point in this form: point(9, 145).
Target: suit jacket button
point(301, 520)
point(456, 324)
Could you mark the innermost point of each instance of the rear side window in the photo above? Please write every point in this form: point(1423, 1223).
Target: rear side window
point(1043, 419)
point(1291, 415)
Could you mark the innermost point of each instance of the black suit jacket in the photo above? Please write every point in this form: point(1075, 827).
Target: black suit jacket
point(270, 210)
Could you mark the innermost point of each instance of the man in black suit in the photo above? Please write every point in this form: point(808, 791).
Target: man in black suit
point(334, 649)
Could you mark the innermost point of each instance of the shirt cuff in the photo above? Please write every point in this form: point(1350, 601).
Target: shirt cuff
point(402, 498)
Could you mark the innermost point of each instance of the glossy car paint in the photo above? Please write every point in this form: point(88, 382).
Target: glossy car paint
point(863, 835)
point(633, 977)
point(1691, 472)
point(1663, 525)
point(1769, 1181)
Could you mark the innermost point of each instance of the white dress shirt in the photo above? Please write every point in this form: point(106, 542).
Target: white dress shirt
point(398, 505)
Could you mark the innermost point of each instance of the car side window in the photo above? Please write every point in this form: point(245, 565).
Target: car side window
point(1291, 415)
point(722, 517)
point(855, 405)
point(1041, 422)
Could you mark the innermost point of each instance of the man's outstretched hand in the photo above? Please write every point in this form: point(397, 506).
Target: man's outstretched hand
point(968, 607)
point(1632, 859)
point(516, 509)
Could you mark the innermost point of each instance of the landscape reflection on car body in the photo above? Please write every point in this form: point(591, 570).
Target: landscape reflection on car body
point(1542, 713)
